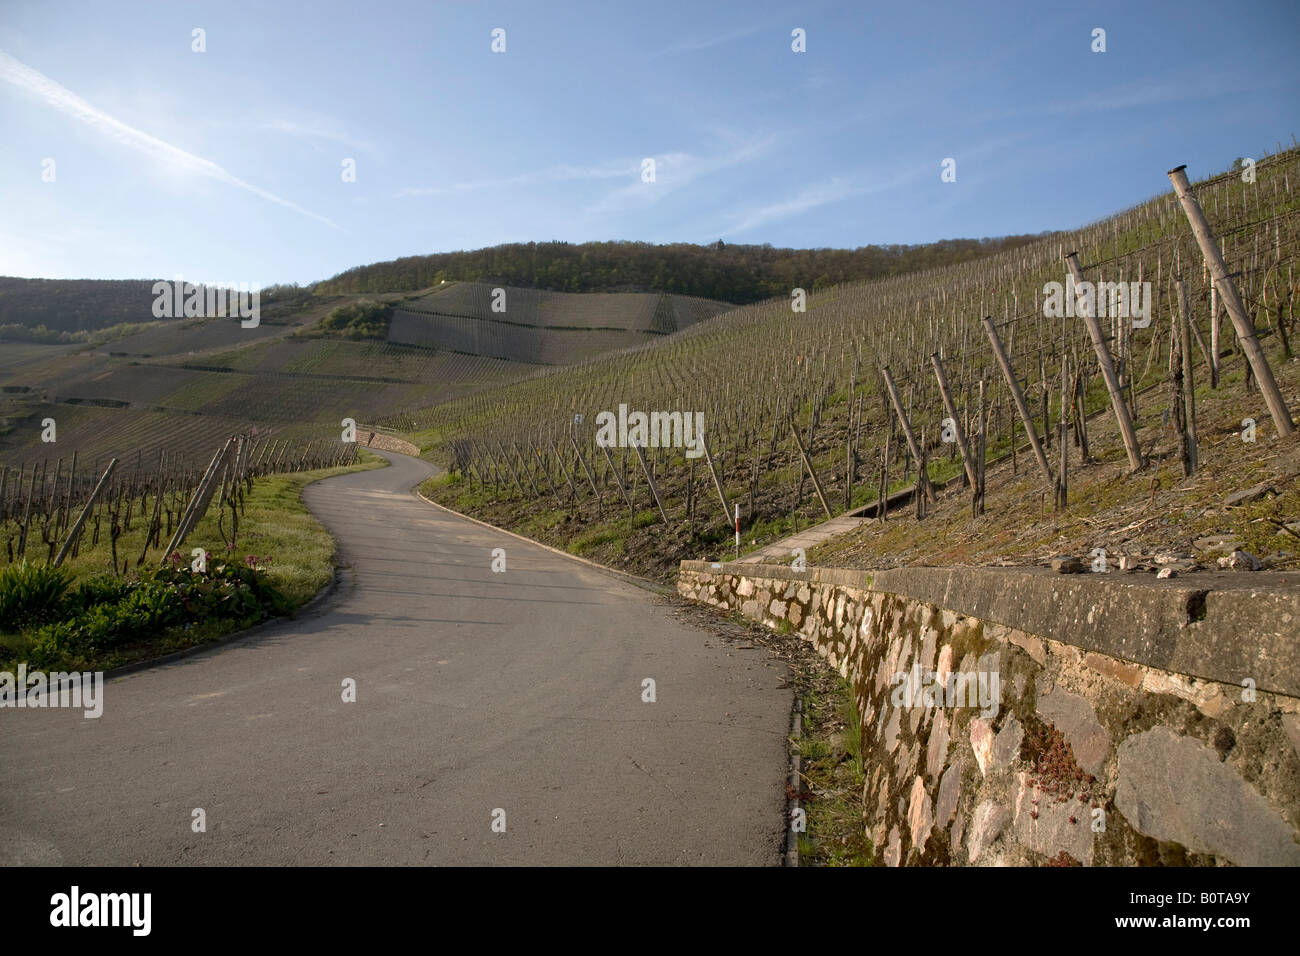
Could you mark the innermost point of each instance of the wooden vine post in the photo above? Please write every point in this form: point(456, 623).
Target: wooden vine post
point(1018, 396)
point(722, 495)
point(923, 480)
point(1122, 416)
point(1190, 453)
point(817, 485)
point(1232, 303)
point(618, 482)
point(952, 414)
point(654, 490)
point(75, 530)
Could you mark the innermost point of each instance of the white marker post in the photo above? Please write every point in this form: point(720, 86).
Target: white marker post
point(737, 531)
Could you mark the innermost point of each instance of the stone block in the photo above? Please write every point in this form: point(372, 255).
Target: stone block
point(919, 817)
point(1175, 788)
point(1075, 718)
point(986, 825)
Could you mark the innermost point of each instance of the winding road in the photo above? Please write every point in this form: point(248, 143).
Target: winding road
point(476, 692)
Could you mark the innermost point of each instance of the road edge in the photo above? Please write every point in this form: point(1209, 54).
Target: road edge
point(644, 583)
point(329, 588)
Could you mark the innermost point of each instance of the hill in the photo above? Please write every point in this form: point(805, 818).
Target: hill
point(65, 310)
point(180, 384)
point(63, 307)
point(752, 372)
point(546, 328)
point(739, 274)
point(136, 386)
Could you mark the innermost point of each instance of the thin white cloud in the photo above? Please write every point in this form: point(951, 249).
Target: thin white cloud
point(780, 25)
point(693, 44)
point(810, 197)
point(836, 189)
point(552, 174)
point(318, 129)
point(64, 100)
point(1133, 96)
point(675, 170)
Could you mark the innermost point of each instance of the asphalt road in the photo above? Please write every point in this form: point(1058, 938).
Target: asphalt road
point(476, 691)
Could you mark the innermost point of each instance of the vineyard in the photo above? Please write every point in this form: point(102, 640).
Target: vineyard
point(886, 393)
point(547, 328)
point(862, 398)
point(181, 384)
point(48, 513)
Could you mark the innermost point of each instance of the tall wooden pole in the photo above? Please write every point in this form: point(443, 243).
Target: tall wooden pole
point(1214, 337)
point(817, 485)
point(618, 482)
point(654, 491)
point(1232, 303)
point(952, 414)
point(199, 503)
point(717, 483)
point(923, 483)
point(591, 479)
point(1188, 396)
point(1063, 449)
point(1122, 416)
point(977, 497)
point(85, 512)
point(1018, 396)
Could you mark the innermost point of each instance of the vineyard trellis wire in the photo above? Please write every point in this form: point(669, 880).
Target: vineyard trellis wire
point(755, 371)
point(49, 512)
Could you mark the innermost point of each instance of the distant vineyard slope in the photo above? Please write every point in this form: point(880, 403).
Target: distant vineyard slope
point(542, 328)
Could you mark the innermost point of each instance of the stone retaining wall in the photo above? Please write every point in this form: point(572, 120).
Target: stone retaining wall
point(373, 439)
point(1121, 722)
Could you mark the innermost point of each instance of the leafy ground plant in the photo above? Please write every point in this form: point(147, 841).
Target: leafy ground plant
point(81, 616)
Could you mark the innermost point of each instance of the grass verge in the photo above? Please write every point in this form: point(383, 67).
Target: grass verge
point(833, 775)
point(276, 529)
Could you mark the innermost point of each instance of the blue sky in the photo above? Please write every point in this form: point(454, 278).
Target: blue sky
point(227, 165)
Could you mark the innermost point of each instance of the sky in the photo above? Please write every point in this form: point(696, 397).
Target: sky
point(125, 152)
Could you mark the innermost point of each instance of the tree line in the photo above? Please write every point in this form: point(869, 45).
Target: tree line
point(738, 274)
point(56, 310)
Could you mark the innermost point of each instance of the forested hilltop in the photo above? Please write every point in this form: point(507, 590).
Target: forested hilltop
point(69, 310)
point(53, 311)
point(732, 273)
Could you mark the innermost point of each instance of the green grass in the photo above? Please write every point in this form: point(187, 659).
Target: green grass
point(276, 524)
point(831, 765)
point(280, 526)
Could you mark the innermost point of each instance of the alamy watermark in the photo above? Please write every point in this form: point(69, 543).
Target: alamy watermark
point(651, 430)
point(1102, 300)
point(915, 688)
point(180, 299)
point(75, 908)
point(73, 689)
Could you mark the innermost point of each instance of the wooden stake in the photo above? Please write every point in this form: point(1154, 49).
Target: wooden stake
point(85, 512)
point(922, 479)
point(817, 485)
point(1122, 416)
point(1232, 302)
point(717, 484)
point(654, 491)
point(952, 414)
point(1018, 397)
point(1191, 457)
point(618, 482)
point(591, 479)
point(188, 519)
